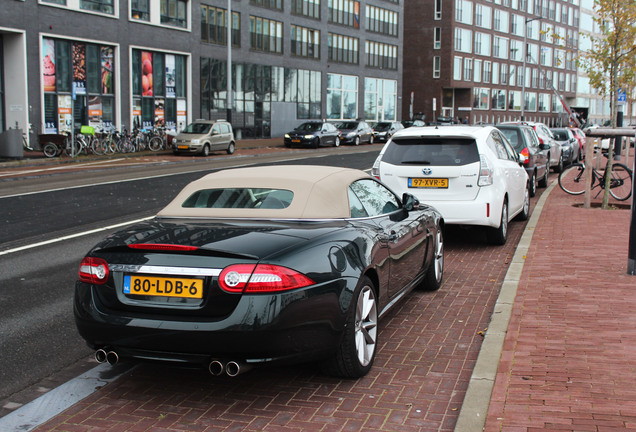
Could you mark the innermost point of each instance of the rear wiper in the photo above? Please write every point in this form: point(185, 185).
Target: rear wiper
point(416, 162)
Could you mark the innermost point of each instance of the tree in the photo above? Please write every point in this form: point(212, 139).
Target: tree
point(609, 64)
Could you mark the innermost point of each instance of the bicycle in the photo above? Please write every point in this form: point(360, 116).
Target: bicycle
point(572, 180)
point(157, 141)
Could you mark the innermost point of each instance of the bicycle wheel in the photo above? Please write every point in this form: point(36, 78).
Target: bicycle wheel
point(156, 143)
point(621, 182)
point(98, 147)
point(572, 179)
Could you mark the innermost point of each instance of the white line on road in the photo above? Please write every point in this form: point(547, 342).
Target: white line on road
point(72, 236)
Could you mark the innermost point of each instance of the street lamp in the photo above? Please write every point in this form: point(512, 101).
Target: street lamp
point(229, 62)
point(525, 56)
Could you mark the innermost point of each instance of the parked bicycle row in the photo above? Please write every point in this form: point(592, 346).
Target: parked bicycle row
point(90, 141)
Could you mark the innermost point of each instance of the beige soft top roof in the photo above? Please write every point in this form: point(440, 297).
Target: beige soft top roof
point(320, 192)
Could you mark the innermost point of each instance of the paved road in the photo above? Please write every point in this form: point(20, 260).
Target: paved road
point(427, 351)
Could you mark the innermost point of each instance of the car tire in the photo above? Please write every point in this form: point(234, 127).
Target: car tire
point(318, 143)
point(371, 139)
point(231, 148)
point(205, 151)
point(559, 167)
point(356, 353)
point(356, 141)
point(532, 184)
point(498, 236)
point(525, 210)
point(337, 142)
point(435, 271)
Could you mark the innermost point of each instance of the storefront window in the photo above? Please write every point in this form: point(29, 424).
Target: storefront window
point(342, 97)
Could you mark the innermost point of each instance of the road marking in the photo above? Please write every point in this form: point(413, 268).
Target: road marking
point(57, 168)
point(72, 236)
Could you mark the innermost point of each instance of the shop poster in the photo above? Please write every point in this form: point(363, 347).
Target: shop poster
point(170, 76)
point(182, 114)
point(65, 113)
point(79, 68)
point(107, 70)
point(146, 73)
point(95, 112)
point(48, 65)
point(160, 111)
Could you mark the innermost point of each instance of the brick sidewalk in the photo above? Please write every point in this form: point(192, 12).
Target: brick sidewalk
point(568, 357)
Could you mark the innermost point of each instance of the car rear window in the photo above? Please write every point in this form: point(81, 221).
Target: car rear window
point(514, 137)
point(561, 135)
point(434, 151)
point(257, 198)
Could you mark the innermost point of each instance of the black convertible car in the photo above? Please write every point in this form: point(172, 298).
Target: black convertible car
point(252, 266)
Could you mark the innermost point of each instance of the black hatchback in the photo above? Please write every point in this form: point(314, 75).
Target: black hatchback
point(533, 154)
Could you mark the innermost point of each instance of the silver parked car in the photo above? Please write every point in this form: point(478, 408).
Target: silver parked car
point(205, 136)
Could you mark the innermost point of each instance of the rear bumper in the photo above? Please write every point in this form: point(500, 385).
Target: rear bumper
point(293, 327)
point(484, 210)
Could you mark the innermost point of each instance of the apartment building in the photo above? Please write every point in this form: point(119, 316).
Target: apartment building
point(149, 63)
point(464, 59)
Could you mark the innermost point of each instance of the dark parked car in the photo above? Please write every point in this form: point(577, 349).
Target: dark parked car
point(532, 153)
point(546, 137)
point(251, 266)
point(409, 123)
point(313, 134)
point(569, 145)
point(383, 131)
point(355, 132)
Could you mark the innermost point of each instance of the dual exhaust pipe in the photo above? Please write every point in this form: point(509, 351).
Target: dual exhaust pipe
point(231, 368)
point(216, 367)
point(103, 356)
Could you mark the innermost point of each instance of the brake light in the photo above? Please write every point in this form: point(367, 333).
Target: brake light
point(261, 278)
point(485, 172)
point(162, 247)
point(526, 155)
point(93, 270)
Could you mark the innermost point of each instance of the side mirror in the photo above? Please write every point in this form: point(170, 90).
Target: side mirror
point(409, 202)
point(215, 132)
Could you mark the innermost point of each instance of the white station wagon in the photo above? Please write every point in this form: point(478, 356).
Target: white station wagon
point(470, 174)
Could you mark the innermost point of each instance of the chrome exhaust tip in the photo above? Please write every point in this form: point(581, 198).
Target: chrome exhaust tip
point(100, 356)
point(112, 358)
point(234, 368)
point(216, 368)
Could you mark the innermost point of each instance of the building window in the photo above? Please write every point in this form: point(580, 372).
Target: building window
point(305, 42)
point(79, 84)
point(483, 16)
point(468, 69)
point(213, 25)
point(500, 21)
point(345, 12)
point(514, 100)
point(381, 55)
point(438, 9)
point(463, 40)
point(140, 9)
point(342, 97)
point(464, 11)
point(482, 44)
point(436, 66)
point(382, 21)
point(174, 13)
point(308, 8)
point(477, 73)
point(498, 99)
point(503, 73)
point(266, 35)
point(487, 71)
point(270, 4)
point(437, 42)
point(457, 68)
point(103, 6)
point(500, 47)
point(380, 99)
point(343, 49)
point(481, 98)
point(60, 2)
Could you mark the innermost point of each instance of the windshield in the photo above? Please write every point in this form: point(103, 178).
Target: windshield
point(198, 128)
point(309, 127)
point(433, 151)
point(561, 135)
point(347, 125)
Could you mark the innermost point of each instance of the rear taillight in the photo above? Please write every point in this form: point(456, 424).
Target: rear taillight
point(526, 156)
point(162, 247)
point(261, 278)
point(485, 172)
point(93, 270)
